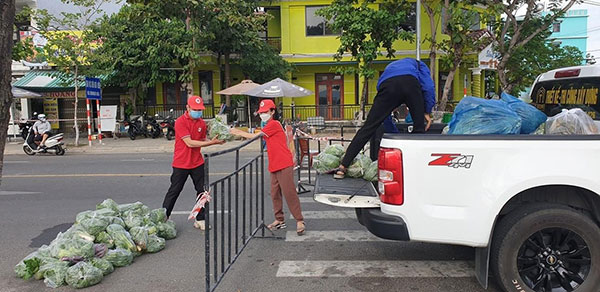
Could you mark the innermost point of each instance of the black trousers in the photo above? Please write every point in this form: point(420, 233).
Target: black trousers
point(178, 179)
point(393, 92)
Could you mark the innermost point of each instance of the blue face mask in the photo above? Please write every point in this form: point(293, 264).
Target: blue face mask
point(195, 114)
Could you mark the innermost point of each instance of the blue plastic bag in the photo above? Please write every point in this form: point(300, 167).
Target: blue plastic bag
point(531, 117)
point(477, 116)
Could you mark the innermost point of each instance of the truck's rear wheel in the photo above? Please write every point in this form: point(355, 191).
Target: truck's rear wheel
point(546, 248)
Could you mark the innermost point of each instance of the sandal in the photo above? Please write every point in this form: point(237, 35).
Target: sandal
point(339, 173)
point(276, 225)
point(300, 228)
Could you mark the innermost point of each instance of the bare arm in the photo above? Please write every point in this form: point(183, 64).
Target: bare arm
point(195, 143)
point(238, 132)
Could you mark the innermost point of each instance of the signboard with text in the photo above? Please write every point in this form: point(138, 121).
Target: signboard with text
point(92, 88)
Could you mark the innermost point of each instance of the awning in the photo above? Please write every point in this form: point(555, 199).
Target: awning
point(22, 93)
point(48, 80)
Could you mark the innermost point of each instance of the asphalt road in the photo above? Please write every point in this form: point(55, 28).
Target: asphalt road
point(41, 195)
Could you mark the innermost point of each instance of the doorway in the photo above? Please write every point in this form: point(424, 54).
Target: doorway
point(329, 95)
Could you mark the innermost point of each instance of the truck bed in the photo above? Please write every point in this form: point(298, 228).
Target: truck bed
point(347, 192)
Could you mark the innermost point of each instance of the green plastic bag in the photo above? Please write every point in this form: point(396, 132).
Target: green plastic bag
point(336, 150)
point(119, 257)
point(108, 204)
point(121, 237)
point(54, 273)
point(29, 266)
point(155, 244)
point(358, 166)
point(324, 162)
point(104, 265)
point(132, 219)
point(95, 223)
point(103, 237)
point(83, 275)
point(216, 127)
point(72, 247)
point(140, 236)
point(137, 208)
point(371, 172)
point(167, 230)
point(158, 215)
point(76, 231)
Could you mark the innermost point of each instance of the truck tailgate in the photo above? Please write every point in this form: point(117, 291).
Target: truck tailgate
point(347, 192)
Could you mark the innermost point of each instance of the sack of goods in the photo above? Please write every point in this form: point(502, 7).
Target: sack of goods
point(216, 127)
point(477, 116)
point(531, 117)
point(100, 240)
point(571, 122)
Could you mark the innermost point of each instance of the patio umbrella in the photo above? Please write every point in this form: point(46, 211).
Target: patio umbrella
point(239, 89)
point(278, 88)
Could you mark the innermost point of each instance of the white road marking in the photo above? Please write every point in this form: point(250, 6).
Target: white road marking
point(307, 200)
point(346, 214)
point(385, 269)
point(137, 160)
point(16, 162)
point(332, 236)
point(188, 212)
point(15, 193)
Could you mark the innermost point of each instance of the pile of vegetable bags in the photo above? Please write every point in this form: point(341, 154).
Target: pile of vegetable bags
point(216, 127)
point(100, 240)
point(331, 157)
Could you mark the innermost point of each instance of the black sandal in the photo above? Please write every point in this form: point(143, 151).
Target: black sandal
point(339, 173)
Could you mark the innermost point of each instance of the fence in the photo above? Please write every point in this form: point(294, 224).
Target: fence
point(241, 193)
point(163, 110)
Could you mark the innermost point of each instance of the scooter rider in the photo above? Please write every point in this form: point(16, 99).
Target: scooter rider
point(42, 130)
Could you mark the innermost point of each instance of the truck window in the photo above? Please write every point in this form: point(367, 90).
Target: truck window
point(554, 95)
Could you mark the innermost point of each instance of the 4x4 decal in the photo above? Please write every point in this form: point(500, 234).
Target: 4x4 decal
point(452, 160)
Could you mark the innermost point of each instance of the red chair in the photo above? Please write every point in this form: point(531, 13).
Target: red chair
point(304, 151)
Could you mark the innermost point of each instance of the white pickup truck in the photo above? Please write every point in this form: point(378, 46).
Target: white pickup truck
point(530, 205)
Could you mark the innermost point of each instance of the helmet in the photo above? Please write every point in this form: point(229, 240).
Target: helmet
point(42, 117)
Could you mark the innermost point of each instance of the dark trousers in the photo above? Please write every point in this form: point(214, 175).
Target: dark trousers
point(393, 92)
point(178, 179)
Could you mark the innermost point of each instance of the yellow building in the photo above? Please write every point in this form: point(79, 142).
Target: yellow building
point(305, 41)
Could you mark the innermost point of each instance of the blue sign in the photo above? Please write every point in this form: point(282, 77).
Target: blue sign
point(92, 88)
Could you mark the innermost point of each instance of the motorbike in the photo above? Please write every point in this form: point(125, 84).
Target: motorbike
point(152, 127)
point(25, 125)
point(168, 126)
point(133, 126)
point(54, 144)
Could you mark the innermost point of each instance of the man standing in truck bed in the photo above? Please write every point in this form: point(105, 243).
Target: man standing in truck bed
point(406, 81)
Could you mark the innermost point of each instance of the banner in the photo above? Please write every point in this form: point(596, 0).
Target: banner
point(51, 111)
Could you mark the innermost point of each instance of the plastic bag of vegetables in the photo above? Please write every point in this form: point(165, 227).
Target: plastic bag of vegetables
point(140, 236)
point(132, 219)
point(158, 215)
point(103, 237)
point(121, 237)
point(108, 204)
point(54, 273)
point(137, 208)
point(104, 265)
point(95, 223)
point(83, 275)
point(324, 162)
point(335, 150)
point(167, 230)
point(358, 166)
point(371, 172)
point(119, 257)
point(72, 247)
point(216, 127)
point(155, 244)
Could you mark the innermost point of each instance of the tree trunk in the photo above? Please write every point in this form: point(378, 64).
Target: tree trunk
point(502, 73)
point(363, 99)
point(447, 85)
point(75, 122)
point(7, 18)
point(227, 79)
point(433, 48)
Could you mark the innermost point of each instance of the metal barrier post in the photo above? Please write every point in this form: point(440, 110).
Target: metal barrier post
point(207, 235)
point(262, 173)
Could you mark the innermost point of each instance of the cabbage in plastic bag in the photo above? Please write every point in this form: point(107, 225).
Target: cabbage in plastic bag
point(571, 122)
point(104, 238)
point(29, 266)
point(132, 219)
point(155, 244)
point(137, 208)
point(371, 172)
point(140, 236)
point(158, 215)
point(104, 265)
point(72, 247)
point(477, 116)
point(121, 237)
point(83, 275)
point(324, 162)
point(95, 223)
point(335, 150)
point(167, 230)
point(119, 257)
point(531, 117)
point(216, 127)
point(108, 204)
point(76, 231)
point(54, 273)
point(358, 166)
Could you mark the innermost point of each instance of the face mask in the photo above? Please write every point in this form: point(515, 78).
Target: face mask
point(265, 117)
point(195, 114)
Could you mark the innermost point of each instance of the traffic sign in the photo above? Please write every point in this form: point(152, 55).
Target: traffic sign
point(92, 88)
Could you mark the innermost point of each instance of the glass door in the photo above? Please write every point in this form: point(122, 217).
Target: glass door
point(329, 96)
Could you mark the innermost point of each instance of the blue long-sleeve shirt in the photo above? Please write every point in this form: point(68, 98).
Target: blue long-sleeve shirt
point(418, 69)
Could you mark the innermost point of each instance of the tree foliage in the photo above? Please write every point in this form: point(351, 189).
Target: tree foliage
point(364, 29)
point(262, 63)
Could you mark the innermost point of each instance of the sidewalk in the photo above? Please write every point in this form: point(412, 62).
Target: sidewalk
point(125, 146)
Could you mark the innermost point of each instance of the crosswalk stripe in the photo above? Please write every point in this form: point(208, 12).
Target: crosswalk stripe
point(385, 269)
point(328, 214)
point(332, 236)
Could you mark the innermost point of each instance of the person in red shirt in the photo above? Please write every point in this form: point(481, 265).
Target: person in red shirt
point(190, 137)
point(281, 166)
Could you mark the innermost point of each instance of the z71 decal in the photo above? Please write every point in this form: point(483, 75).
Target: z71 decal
point(452, 160)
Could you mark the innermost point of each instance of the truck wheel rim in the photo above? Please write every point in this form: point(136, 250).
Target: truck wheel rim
point(554, 259)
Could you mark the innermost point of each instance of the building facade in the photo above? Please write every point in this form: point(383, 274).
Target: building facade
point(571, 30)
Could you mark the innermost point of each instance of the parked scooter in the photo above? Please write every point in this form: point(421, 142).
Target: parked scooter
point(152, 126)
point(25, 125)
point(54, 144)
point(133, 126)
point(168, 126)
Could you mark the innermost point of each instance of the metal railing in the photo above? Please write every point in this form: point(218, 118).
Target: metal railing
point(238, 211)
point(329, 112)
point(178, 110)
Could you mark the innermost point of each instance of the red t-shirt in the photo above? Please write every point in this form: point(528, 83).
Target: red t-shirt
point(186, 157)
point(279, 154)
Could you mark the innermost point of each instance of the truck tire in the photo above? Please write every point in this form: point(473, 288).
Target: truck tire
point(546, 247)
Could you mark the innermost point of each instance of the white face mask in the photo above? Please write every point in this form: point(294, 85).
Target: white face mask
point(265, 117)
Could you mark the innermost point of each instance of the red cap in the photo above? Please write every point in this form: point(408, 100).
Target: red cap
point(195, 102)
point(265, 106)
